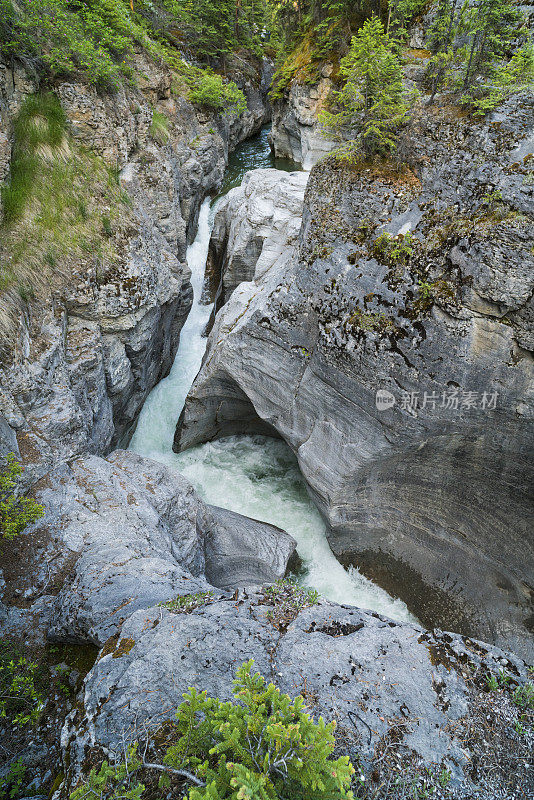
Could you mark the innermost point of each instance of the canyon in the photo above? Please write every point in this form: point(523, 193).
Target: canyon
point(329, 286)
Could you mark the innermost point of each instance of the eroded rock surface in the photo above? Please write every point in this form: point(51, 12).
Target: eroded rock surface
point(296, 133)
point(377, 678)
point(125, 533)
point(81, 366)
point(433, 499)
point(257, 224)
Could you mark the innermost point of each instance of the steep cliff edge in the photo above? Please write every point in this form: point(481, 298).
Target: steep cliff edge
point(296, 133)
point(418, 282)
point(83, 348)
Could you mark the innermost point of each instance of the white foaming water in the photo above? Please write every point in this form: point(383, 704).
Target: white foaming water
point(252, 475)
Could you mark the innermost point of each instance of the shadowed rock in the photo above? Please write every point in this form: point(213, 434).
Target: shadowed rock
point(431, 498)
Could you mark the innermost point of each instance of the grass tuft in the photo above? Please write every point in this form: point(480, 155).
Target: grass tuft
point(39, 131)
point(53, 222)
point(159, 129)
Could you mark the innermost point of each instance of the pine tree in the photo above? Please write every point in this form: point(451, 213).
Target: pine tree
point(492, 26)
point(442, 37)
point(469, 42)
point(371, 104)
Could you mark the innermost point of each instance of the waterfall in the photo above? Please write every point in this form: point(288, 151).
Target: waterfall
point(253, 475)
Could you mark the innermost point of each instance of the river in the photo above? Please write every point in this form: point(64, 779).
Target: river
point(252, 475)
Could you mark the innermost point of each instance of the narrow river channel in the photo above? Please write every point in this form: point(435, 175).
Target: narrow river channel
point(252, 475)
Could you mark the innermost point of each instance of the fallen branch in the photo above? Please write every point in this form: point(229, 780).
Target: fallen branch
point(182, 773)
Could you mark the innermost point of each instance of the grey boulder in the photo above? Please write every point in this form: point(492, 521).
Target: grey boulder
point(125, 533)
point(368, 673)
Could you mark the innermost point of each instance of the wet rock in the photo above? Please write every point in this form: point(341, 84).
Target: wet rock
point(240, 551)
point(430, 497)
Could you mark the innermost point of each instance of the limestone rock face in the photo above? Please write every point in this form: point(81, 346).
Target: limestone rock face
point(240, 551)
point(257, 224)
point(428, 487)
point(355, 666)
point(83, 366)
point(125, 533)
point(296, 133)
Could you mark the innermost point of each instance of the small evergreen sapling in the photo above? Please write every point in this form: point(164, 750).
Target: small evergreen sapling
point(263, 746)
point(371, 105)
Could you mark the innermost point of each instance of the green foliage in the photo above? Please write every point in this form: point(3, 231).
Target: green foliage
point(159, 128)
point(52, 203)
point(393, 250)
point(212, 91)
point(471, 43)
point(523, 697)
point(106, 226)
point(492, 683)
point(288, 599)
point(505, 78)
point(186, 603)
point(215, 28)
point(299, 62)
point(39, 126)
point(400, 14)
point(112, 781)
point(306, 33)
point(20, 699)
point(99, 37)
point(12, 782)
point(65, 37)
point(370, 321)
point(16, 512)
point(262, 746)
point(371, 105)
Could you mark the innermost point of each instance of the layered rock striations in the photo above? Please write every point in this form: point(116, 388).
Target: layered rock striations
point(296, 132)
point(83, 363)
point(256, 226)
point(417, 281)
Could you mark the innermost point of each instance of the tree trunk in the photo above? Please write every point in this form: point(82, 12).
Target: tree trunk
point(468, 71)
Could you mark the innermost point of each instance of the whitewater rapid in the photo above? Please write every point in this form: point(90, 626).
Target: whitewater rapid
point(252, 475)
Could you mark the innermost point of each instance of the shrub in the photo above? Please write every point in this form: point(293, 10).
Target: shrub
point(186, 603)
point(20, 699)
point(262, 746)
point(371, 105)
point(12, 781)
point(210, 90)
point(393, 250)
point(16, 512)
point(288, 600)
